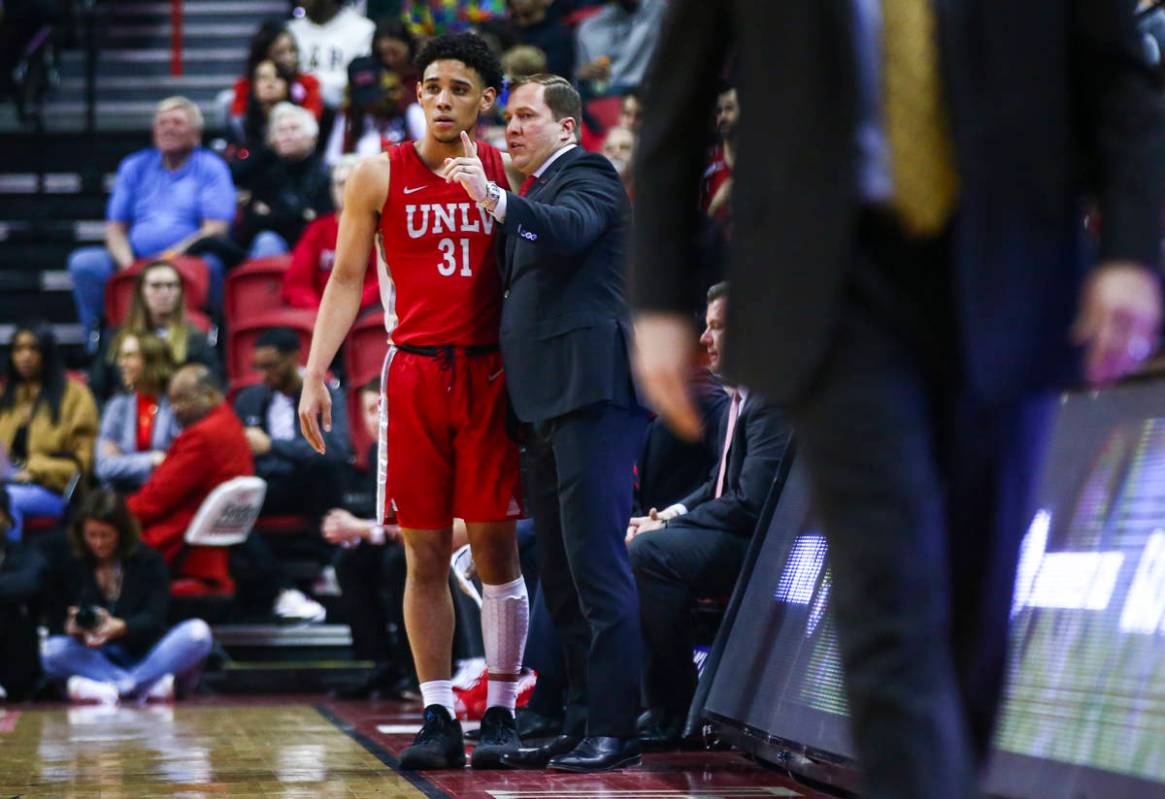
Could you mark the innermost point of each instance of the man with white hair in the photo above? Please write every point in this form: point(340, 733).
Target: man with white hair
point(164, 199)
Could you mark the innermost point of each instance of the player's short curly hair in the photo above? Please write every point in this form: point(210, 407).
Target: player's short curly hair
point(468, 48)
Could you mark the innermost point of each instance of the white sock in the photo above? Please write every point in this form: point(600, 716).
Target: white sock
point(505, 618)
point(439, 692)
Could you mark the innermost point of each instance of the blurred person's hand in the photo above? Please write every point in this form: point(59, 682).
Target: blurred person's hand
point(467, 170)
point(644, 524)
point(599, 69)
point(665, 353)
point(341, 527)
point(21, 476)
point(156, 458)
point(1119, 320)
point(315, 403)
point(261, 208)
point(109, 449)
point(258, 441)
point(71, 628)
point(109, 628)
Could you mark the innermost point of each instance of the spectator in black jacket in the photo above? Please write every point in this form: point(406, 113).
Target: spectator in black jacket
point(298, 480)
point(283, 186)
point(22, 573)
point(695, 547)
point(116, 645)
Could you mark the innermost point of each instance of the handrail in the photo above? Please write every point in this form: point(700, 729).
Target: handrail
point(176, 38)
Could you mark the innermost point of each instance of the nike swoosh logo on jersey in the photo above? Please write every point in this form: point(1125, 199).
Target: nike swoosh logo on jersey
point(413, 189)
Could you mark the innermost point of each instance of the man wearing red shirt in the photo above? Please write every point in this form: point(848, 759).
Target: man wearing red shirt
point(444, 447)
point(315, 252)
point(210, 450)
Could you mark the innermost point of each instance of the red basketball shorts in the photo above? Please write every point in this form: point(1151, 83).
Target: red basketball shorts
point(448, 451)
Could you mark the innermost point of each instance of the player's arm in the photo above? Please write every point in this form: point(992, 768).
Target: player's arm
point(364, 197)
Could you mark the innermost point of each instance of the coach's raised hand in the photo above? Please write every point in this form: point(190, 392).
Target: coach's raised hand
point(467, 170)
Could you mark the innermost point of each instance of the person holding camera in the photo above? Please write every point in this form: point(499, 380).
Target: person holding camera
point(115, 644)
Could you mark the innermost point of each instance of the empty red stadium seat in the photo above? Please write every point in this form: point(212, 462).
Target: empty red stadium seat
point(255, 287)
point(119, 290)
point(241, 339)
point(365, 348)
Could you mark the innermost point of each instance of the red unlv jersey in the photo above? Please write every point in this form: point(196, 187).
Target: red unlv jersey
point(439, 249)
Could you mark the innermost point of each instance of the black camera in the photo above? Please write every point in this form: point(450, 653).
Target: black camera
point(88, 618)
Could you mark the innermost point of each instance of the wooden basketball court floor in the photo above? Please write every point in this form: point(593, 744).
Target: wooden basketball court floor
point(300, 748)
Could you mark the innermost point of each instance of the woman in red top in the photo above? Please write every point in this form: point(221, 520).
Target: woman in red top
point(314, 254)
point(273, 42)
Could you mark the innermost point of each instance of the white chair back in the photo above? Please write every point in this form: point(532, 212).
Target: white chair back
point(226, 516)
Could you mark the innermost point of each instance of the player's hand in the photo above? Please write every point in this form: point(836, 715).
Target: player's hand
point(1119, 320)
point(314, 403)
point(467, 170)
point(665, 349)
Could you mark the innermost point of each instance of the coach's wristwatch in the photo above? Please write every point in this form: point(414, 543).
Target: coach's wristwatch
point(493, 195)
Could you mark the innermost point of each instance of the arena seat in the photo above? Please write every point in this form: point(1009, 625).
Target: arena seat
point(255, 287)
point(119, 290)
point(364, 349)
point(242, 335)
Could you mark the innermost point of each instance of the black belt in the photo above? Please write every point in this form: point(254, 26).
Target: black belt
point(447, 351)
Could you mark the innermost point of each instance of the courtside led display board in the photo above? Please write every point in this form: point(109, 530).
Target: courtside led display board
point(1084, 714)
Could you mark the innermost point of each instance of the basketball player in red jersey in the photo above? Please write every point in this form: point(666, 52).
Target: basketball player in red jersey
point(444, 447)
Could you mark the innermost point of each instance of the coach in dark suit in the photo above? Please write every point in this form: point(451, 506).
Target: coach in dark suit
point(695, 547)
point(908, 264)
point(564, 341)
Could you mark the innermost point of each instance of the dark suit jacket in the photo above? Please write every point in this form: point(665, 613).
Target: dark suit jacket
point(565, 329)
point(251, 407)
point(1051, 100)
point(145, 596)
point(759, 442)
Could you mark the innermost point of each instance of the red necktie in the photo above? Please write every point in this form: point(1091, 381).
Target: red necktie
point(527, 184)
point(733, 415)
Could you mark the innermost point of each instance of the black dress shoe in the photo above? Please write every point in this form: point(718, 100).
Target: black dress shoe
point(539, 756)
point(532, 724)
point(499, 735)
point(661, 734)
point(599, 753)
point(439, 744)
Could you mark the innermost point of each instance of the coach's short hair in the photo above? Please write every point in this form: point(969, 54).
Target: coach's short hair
point(193, 112)
point(561, 98)
point(718, 291)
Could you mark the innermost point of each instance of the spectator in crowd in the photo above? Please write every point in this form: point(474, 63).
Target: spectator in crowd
point(615, 45)
point(619, 148)
point(48, 425)
point(22, 575)
point(210, 450)
point(298, 480)
point(696, 547)
point(395, 48)
point(315, 252)
point(274, 42)
point(158, 308)
point(165, 199)
point(716, 188)
point(116, 645)
point(372, 119)
point(329, 36)
point(631, 112)
point(284, 186)
point(522, 61)
point(269, 86)
point(137, 426)
point(370, 567)
point(540, 24)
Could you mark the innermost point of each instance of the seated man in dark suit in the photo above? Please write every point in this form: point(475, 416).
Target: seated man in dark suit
point(297, 480)
point(695, 547)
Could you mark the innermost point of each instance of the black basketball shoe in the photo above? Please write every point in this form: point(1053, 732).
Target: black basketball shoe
point(439, 744)
point(499, 734)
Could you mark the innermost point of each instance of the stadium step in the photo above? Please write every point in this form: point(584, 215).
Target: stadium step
point(284, 659)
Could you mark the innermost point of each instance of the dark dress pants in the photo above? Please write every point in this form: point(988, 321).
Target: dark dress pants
point(922, 489)
point(578, 476)
point(372, 583)
point(674, 567)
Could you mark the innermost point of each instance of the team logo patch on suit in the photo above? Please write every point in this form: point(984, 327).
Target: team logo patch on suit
point(526, 234)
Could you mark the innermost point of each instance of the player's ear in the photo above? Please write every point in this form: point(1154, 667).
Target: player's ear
point(487, 98)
